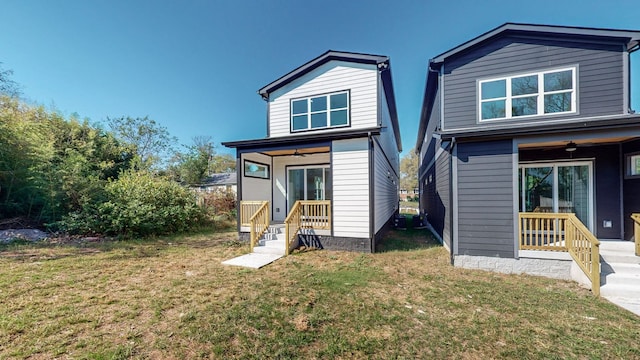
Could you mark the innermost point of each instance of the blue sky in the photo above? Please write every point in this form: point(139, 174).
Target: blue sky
point(195, 66)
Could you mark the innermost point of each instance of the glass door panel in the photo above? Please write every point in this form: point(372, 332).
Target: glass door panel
point(573, 191)
point(558, 188)
point(315, 184)
point(295, 187)
point(310, 183)
point(538, 185)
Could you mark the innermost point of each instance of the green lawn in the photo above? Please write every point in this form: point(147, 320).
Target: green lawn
point(170, 298)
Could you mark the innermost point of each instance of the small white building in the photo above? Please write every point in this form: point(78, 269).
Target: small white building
point(331, 154)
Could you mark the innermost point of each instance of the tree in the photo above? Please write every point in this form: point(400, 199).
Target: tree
point(149, 141)
point(8, 87)
point(409, 166)
point(199, 161)
point(222, 163)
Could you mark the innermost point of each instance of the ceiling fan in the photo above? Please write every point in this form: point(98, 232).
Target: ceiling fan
point(298, 154)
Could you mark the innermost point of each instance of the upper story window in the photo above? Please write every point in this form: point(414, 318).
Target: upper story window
point(320, 112)
point(546, 92)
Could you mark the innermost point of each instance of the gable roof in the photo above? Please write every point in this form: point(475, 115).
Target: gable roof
point(321, 60)
point(220, 179)
point(631, 38)
point(381, 61)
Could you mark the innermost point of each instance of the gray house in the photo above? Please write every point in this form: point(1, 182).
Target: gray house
point(525, 121)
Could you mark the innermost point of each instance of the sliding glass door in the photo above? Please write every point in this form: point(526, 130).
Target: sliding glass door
point(559, 188)
point(308, 183)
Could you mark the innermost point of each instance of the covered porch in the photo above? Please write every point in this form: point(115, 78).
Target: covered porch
point(576, 192)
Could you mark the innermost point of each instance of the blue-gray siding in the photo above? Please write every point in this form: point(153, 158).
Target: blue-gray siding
point(600, 76)
point(631, 192)
point(485, 198)
point(435, 196)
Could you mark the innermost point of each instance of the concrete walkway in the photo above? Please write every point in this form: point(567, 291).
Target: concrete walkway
point(620, 274)
point(253, 260)
point(269, 248)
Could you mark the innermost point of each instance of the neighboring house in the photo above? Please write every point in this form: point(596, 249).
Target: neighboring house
point(217, 182)
point(331, 154)
point(409, 195)
point(526, 120)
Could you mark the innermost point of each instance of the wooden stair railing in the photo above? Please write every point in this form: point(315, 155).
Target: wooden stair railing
point(255, 214)
point(636, 231)
point(562, 232)
point(306, 214)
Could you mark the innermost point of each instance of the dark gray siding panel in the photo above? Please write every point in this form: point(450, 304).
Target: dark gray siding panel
point(435, 197)
point(485, 199)
point(607, 168)
point(429, 149)
point(600, 71)
point(631, 192)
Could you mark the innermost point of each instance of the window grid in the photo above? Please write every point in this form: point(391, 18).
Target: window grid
point(331, 112)
point(540, 95)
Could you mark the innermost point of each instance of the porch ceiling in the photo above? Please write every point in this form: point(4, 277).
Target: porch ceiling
point(301, 151)
point(583, 142)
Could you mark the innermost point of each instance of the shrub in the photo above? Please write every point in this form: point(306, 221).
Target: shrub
point(138, 204)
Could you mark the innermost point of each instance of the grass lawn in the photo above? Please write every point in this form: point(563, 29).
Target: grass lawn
point(170, 298)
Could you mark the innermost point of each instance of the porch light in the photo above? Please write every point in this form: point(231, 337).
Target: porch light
point(571, 147)
point(297, 154)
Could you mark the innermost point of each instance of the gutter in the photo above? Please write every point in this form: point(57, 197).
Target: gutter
point(451, 205)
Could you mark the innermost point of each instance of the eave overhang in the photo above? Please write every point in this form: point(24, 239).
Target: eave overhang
point(293, 141)
point(507, 131)
point(628, 37)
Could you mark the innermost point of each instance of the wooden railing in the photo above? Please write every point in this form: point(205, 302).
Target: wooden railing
point(636, 231)
point(306, 214)
point(255, 215)
point(562, 232)
point(248, 209)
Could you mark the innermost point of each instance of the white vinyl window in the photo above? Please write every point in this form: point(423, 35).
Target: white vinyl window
point(320, 112)
point(632, 165)
point(545, 92)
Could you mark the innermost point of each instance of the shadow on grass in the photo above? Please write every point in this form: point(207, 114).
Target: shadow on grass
point(407, 240)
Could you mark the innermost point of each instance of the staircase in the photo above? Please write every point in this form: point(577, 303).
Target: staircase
point(620, 274)
point(272, 242)
point(270, 247)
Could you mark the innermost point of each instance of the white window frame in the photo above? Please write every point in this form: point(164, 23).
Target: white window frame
point(540, 94)
point(555, 165)
point(630, 165)
point(328, 111)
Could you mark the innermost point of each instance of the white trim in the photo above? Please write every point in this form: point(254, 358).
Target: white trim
point(328, 110)
point(515, 156)
point(540, 94)
point(511, 126)
point(305, 168)
point(453, 202)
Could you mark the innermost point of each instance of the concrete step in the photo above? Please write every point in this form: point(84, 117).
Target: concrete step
point(619, 268)
point(620, 290)
point(270, 237)
point(620, 258)
point(270, 247)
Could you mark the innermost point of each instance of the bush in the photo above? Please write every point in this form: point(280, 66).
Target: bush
point(138, 204)
point(219, 202)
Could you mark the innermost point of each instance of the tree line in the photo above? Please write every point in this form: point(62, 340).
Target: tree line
point(70, 175)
